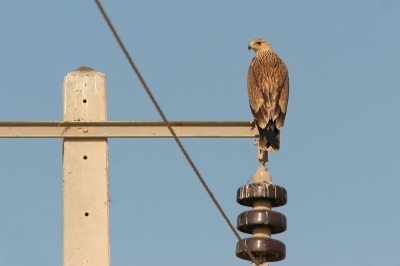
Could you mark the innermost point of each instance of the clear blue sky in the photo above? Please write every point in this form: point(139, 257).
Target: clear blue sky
point(340, 144)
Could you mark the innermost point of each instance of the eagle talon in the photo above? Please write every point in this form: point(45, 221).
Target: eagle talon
point(253, 124)
point(256, 143)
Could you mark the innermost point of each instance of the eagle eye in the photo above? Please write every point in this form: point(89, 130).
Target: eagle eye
point(258, 43)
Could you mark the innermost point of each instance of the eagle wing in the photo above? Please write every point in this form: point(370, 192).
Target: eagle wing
point(256, 95)
point(283, 101)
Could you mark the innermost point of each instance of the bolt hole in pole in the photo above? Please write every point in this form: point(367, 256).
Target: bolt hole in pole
point(84, 101)
point(84, 157)
point(86, 214)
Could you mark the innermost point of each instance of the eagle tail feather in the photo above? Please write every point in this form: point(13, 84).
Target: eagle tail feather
point(268, 139)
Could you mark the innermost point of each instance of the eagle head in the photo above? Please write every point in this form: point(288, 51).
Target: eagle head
point(259, 45)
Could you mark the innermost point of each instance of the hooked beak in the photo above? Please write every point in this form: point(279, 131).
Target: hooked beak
point(249, 47)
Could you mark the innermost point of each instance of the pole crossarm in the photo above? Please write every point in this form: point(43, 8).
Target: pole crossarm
point(127, 129)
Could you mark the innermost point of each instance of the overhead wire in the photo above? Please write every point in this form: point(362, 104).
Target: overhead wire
point(191, 163)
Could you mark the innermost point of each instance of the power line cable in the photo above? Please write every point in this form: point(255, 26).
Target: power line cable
point(172, 131)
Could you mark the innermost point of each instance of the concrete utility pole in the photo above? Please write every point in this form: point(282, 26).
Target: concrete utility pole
point(86, 238)
point(85, 130)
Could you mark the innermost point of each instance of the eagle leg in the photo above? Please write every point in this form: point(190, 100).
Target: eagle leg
point(262, 154)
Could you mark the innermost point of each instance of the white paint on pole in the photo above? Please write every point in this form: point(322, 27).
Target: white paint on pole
point(86, 238)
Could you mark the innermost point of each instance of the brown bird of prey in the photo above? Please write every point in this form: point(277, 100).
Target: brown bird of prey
point(268, 88)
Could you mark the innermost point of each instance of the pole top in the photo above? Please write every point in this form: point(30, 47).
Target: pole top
point(83, 70)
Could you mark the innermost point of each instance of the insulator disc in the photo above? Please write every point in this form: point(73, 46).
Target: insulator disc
point(273, 249)
point(247, 194)
point(248, 220)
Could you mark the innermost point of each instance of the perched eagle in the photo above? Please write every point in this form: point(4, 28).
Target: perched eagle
point(268, 88)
